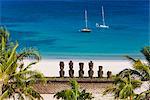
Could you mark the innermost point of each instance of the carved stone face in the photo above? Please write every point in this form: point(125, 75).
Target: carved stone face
point(81, 65)
point(107, 72)
point(71, 67)
point(100, 67)
point(110, 72)
point(70, 63)
point(90, 64)
point(61, 65)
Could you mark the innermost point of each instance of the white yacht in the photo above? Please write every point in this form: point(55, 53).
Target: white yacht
point(103, 25)
point(86, 29)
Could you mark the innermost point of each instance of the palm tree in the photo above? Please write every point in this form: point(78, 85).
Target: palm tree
point(73, 93)
point(4, 36)
point(140, 71)
point(21, 84)
point(15, 77)
point(146, 52)
point(123, 88)
point(139, 68)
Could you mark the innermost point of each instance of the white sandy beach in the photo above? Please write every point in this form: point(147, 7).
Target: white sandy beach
point(50, 67)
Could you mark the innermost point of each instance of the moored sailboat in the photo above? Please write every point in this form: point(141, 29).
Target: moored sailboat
point(103, 25)
point(86, 29)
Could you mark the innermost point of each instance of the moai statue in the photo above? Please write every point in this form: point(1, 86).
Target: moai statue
point(81, 71)
point(71, 71)
point(109, 74)
point(61, 72)
point(91, 72)
point(100, 72)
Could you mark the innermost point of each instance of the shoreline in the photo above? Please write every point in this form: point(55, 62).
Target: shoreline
point(93, 56)
point(50, 67)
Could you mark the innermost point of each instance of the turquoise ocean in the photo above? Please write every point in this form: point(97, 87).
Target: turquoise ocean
point(52, 27)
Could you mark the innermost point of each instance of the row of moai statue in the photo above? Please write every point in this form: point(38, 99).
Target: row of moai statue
point(81, 71)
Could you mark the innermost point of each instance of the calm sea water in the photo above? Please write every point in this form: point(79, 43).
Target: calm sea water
point(52, 26)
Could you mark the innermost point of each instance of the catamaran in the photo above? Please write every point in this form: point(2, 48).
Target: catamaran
point(103, 20)
point(86, 29)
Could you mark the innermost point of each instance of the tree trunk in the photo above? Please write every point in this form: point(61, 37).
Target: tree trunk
point(1, 85)
point(130, 97)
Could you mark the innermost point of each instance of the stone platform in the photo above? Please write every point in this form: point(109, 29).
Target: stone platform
point(56, 84)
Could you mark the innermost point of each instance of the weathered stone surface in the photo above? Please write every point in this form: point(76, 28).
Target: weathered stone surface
point(96, 86)
point(100, 72)
point(71, 71)
point(91, 72)
point(109, 74)
point(54, 87)
point(81, 71)
point(61, 72)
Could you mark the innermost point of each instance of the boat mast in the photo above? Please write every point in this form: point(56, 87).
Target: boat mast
point(86, 21)
point(103, 16)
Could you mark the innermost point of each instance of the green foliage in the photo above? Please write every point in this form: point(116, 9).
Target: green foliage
point(128, 80)
point(123, 87)
point(73, 93)
point(146, 52)
point(141, 69)
point(15, 77)
point(143, 96)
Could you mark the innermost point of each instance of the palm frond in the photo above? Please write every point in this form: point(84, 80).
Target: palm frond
point(73, 93)
point(29, 53)
point(146, 52)
point(31, 93)
point(64, 94)
point(85, 95)
point(136, 83)
point(110, 90)
point(4, 95)
point(143, 96)
point(26, 68)
point(12, 54)
point(20, 96)
point(125, 72)
point(130, 58)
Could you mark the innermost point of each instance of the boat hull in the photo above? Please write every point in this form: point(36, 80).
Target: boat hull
point(85, 30)
point(104, 26)
point(101, 26)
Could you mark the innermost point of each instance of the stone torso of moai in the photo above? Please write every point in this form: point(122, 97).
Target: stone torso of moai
point(71, 71)
point(100, 72)
point(91, 72)
point(61, 72)
point(81, 71)
point(109, 74)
